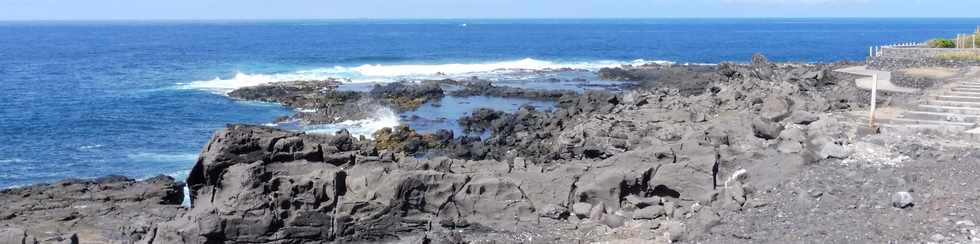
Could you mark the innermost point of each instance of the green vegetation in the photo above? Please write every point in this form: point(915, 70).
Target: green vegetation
point(960, 56)
point(960, 41)
point(942, 43)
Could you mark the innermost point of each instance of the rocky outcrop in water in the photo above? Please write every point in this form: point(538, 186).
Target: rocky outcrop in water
point(476, 87)
point(407, 96)
point(296, 94)
point(320, 102)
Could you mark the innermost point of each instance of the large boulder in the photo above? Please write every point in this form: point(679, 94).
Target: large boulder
point(692, 176)
point(620, 176)
point(258, 184)
point(775, 108)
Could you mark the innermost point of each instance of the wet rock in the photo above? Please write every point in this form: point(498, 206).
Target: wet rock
point(619, 74)
point(404, 96)
point(486, 88)
point(297, 94)
point(319, 99)
point(481, 120)
point(404, 139)
point(902, 200)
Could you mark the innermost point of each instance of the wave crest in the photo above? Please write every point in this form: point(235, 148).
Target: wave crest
point(382, 118)
point(395, 72)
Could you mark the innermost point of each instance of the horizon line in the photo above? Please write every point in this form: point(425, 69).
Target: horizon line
point(459, 18)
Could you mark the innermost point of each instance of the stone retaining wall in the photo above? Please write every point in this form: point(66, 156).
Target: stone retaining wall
point(893, 64)
point(897, 58)
point(919, 53)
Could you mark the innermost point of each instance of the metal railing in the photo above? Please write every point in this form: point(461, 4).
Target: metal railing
point(875, 51)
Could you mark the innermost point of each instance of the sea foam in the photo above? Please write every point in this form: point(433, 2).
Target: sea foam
point(394, 72)
point(382, 118)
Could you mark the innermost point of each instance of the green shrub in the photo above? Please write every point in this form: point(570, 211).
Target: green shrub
point(942, 43)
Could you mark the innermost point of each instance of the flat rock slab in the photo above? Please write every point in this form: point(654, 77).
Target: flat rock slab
point(884, 79)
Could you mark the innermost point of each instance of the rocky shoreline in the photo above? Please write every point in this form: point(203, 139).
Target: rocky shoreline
point(691, 153)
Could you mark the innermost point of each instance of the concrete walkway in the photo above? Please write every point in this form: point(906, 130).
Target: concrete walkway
point(957, 106)
point(954, 107)
point(884, 79)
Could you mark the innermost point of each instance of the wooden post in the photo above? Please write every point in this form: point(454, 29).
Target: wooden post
point(874, 99)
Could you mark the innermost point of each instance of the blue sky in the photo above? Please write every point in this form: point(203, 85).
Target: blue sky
point(329, 9)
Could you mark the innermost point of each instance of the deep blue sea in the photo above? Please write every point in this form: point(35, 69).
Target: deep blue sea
point(86, 99)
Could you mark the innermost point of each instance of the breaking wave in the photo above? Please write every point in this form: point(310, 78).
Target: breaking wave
point(382, 118)
point(395, 72)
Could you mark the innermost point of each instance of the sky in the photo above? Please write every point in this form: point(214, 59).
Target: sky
point(428, 9)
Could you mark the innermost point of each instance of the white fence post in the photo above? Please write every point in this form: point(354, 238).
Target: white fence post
point(874, 99)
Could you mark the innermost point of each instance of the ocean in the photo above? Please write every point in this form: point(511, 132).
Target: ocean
point(87, 99)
